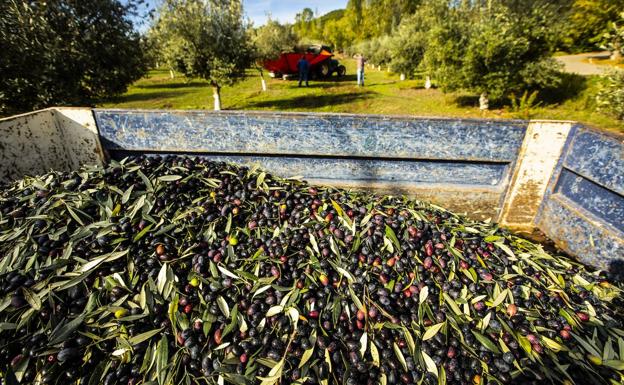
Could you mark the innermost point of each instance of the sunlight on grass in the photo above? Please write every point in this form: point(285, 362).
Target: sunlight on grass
point(384, 93)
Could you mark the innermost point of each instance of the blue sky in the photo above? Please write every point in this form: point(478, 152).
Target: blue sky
point(282, 10)
point(285, 10)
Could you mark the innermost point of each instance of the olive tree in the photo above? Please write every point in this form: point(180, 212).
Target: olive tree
point(269, 41)
point(613, 39)
point(206, 39)
point(588, 21)
point(66, 52)
point(492, 50)
point(409, 42)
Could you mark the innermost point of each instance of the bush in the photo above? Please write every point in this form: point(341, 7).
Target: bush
point(610, 98)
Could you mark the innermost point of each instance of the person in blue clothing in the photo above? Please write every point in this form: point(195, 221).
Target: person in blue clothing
point(303, 66)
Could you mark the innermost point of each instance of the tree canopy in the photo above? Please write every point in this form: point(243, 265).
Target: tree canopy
point(272, 38)
point(495, 50)
point(206, 39)
point(66, 52)
point(588, 20)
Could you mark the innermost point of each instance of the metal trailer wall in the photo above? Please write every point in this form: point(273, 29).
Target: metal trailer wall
point(562, 178)
point(52, 139)
point(583, 207)
point(464, 165)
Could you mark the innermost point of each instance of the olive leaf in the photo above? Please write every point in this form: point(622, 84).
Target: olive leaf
point(223, 306)
point(126, 195)
point(374, 354)
point(293, 313)
point(355, 299)
point(142, 233)
point(32, 298)
point(343, 272)
point(486, 342)
point(424, 293)
point(452, 304)
point(306, 356)
point(64, 330)
point(169, 178)
point(363, 343)
point(485, 321)
point(314, 244)
point(411, 345)
point(615, 364)
point(143, 337)
point(392, 236)
point(507, 250)
point(586, 345)
point(500, 298)
point(161, 281)
point(429, 363)
point(399, 355)
point(227, 272)
point(552, 344)
point(442, 376)
point(162, 360)
point(432, 331)
point(274, 310)
point(102, 259)
point(261, 290)
point(233, 322)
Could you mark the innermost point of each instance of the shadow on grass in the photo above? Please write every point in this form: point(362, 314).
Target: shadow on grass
point(467, 100)
point(312, 101)
point(328, 82)
point(343, 79)
point(172, 85)
point(572, 85)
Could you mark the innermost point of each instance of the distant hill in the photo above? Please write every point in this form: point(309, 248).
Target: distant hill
point(332, 15)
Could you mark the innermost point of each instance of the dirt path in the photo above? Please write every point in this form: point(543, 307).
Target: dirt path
point(577, 64)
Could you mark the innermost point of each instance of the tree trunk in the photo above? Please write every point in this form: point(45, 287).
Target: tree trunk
point(484, 102)
point(402, 77)
point(216, 94)
point(616, 55)
point(171, 74)
point(264, 85)
point(428, 83)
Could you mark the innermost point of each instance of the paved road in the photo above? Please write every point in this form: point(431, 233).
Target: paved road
point(577, 64)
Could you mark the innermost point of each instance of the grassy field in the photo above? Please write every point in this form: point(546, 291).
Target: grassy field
point(384, 93)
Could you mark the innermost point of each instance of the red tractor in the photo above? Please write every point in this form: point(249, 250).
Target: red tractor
point(320, 57)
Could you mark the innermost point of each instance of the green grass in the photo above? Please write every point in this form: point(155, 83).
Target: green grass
point(384, 93)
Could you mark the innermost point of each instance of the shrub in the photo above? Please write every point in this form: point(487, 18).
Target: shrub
point(610, 98)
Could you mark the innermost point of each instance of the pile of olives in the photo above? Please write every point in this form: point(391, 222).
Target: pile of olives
point(179, 270)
